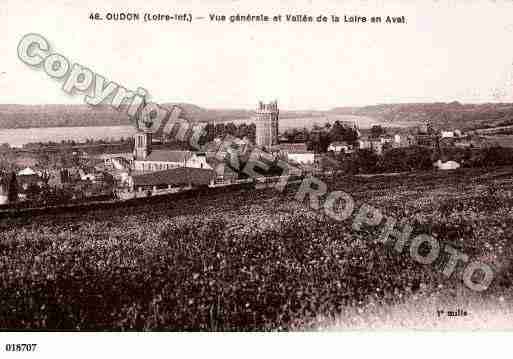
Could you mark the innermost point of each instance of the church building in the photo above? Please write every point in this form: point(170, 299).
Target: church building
point(149, 160)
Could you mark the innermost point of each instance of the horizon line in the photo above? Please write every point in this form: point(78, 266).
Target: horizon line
point(282, 109)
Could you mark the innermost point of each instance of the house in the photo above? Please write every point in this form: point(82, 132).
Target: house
point(282, 138)
point(447, 141)
point(386, 139)
point(449, 165)
point(91, 174)
point(228, 147)
point(471, 142)
point(426, 140)
point(224, 173)
point(340, 147)
point(447, 134)
point(26, 181)
point(118, 161)
point(84, 189)
point(296, 152)
point(29, 186)
point(27, 172)
point(303, 158)
point(376, 144)
point(242, 143)
point(58, 178)
point(291, 147)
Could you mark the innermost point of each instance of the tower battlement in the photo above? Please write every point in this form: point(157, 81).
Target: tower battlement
point(268, 107)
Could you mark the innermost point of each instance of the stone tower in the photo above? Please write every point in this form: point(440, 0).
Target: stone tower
point(267, 124)
point(142, 145)
point(143, 137)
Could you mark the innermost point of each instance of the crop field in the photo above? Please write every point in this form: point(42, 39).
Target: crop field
point(260, 260)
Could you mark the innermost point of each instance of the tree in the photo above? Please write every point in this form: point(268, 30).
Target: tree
point(230, 129)
point(413, 158)
point(12, 195)
point(210, 132)
point(242, 130)
point(366, 161)
point(318, 141)
point(220, 130)
point(252, 132)
point(340, 132)
point(377, 130)
point(33, 192)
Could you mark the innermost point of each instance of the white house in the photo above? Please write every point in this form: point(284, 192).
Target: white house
point(297, 152)
point(447, 134)
point(339, 147)
point(304, 158)
point(27, 172)
point(449, 165)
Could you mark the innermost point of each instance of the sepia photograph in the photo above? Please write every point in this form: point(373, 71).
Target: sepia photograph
point(233, 166)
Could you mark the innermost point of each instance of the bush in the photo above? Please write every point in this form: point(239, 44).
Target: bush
point(413, 158)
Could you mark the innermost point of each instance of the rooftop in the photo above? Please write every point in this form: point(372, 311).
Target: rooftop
point(175, 176)
point(128, 155)
point(168, 156)
point(339, 143)
point(292, 147)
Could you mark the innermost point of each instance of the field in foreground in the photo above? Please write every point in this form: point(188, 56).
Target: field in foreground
point(259, 261)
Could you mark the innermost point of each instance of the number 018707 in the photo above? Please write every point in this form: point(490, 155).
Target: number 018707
point(20, 347)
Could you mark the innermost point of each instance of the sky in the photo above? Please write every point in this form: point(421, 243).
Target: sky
point(447, 51)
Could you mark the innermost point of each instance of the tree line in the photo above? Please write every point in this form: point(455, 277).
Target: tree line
point(418, 158)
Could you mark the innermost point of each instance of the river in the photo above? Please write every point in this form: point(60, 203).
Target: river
point(17, 137)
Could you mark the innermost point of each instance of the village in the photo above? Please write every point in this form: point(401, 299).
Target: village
point(148, 167)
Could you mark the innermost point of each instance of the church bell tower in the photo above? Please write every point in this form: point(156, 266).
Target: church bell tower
point(142, 145)
point(143, 138)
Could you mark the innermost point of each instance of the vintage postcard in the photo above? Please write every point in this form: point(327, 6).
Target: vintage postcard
point(234, 166)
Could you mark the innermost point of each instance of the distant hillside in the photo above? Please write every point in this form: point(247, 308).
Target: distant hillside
point(27, 116)
point(441, 115)
point(24, 116)
point(200, 114)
